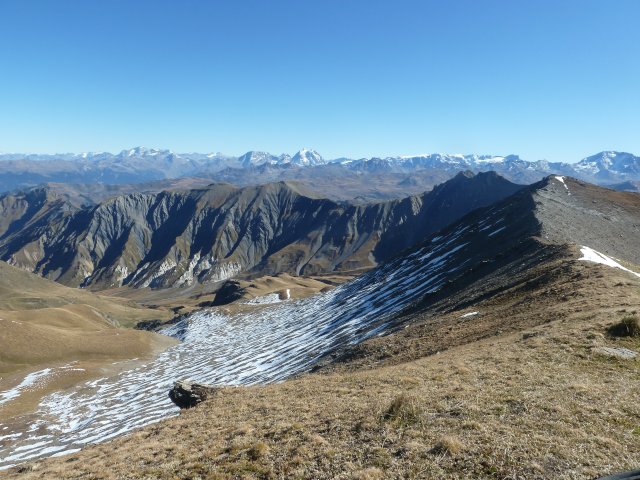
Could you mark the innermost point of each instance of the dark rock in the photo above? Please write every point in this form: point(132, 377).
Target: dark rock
point(186, 394)
point(149, 325)
point(155, 325)
point(228, 293)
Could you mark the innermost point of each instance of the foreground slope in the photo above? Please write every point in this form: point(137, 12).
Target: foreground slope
point(543, 404)
point(173, 239)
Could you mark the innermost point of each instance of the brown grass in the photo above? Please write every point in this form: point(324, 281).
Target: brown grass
point(404, 409)
point(447, 446)
point(44, 324)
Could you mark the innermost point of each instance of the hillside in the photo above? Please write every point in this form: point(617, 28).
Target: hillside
point(340, 182)
point(460, 344)
point(62, 335)
point(177, 238)
point(78, 195)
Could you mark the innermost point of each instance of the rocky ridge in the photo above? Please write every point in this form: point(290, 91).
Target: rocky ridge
point(211, 234)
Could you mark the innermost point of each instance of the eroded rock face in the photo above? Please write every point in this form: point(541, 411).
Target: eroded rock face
point(209, 235)
point(186, 394)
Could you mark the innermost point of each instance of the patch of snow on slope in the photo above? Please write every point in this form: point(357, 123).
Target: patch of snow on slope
point(33, 380)
point(561, 180)
point(495, 232)
point(590, 255)
point(487, 227)
point(30, 381)
point(470, 314)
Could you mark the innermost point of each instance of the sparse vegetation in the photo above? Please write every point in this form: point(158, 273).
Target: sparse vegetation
point(447, 446)
point(404, 409)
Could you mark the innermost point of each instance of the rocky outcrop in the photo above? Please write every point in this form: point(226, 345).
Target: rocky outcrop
point(186, 394)
point(208, 235)
point(229, 292)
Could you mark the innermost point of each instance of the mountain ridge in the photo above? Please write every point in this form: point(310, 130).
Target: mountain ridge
point(214, 233)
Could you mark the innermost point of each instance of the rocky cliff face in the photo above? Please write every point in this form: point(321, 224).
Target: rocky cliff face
point(172, 239)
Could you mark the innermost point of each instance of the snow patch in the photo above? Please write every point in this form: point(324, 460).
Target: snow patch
point(561, 180)
point(495, 232)
point(618, 352)
point(590, 255)
point(33, 380)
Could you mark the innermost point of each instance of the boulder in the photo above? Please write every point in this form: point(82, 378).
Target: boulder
point(617, 352)
point(229, 292)
point(186, 394)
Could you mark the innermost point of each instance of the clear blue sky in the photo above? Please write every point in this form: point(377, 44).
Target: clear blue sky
point(543, 79)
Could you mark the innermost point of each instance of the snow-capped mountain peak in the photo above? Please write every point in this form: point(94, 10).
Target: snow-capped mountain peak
point(256, 158)
point(143, 152)
point(306, 157)
point(609, 163)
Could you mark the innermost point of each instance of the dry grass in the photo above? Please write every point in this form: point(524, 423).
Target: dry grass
point(522, 409)
point(44, 324)
point(536, 406)
point(404, 410)
point(447, 446)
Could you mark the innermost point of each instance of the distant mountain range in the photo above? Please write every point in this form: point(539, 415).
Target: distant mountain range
point(19, 171)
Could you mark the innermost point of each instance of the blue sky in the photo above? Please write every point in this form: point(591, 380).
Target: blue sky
point(543, 79)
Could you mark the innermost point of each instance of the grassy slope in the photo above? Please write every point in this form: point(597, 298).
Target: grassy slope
point(43, 322)
point(538, 404)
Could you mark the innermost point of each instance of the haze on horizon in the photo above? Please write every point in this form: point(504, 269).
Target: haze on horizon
point(544, 80)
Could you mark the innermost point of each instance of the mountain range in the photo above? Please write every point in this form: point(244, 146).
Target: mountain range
point(210, 234)
point(19, 171)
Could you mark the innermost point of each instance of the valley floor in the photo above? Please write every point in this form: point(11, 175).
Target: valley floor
point(544, 401)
